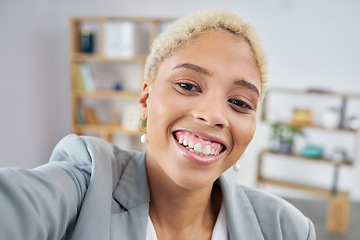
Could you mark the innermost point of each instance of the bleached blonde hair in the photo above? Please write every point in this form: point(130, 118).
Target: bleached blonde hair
point(187, 28)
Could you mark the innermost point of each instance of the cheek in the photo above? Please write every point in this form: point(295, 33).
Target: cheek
point(165, 104)
point(159, 108)
point(162, 112)
point(245, 131)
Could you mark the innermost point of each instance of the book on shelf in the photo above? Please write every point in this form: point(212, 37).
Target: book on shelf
point(76, 77)
point(80, 115)
point(90, 116)
point(124, 39)
point(82, 77)
point(130, 117)
point(86, 115)
point(87, 77)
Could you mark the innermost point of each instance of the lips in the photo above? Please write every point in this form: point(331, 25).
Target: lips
point(198, 145)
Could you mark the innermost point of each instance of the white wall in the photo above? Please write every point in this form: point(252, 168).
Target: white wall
point(310, 43)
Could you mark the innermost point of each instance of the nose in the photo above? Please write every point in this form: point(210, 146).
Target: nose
point(212, 111)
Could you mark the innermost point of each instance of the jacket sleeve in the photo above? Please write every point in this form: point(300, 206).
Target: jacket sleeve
point(43, 203)
point(312, 234)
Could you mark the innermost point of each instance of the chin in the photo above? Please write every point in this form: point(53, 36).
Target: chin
point(195, 180)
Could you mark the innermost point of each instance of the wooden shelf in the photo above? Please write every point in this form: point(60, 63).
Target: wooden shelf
point(88, 69)
point(315, 126)
point(77, 20)
point(288, 93)
point(324, 160)
point(106, 128)
point(324, 192)
point(314, 92)
point(82, 57)
point(107, 94)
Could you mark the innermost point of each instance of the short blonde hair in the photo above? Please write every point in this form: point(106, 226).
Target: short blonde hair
point(187, 28)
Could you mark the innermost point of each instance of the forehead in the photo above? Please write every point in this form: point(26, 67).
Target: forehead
point(210, 43)
point(218, 36)
point(220, 52)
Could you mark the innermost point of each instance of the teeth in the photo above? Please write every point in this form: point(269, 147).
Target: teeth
point(186, 142)
point(198, 147)
point(206, 149)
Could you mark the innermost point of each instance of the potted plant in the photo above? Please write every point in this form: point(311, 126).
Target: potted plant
point(283, 137)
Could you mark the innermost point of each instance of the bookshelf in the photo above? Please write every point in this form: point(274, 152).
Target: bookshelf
point(314, 101)
point(107, 58)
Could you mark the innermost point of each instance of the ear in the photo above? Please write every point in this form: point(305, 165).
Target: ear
point(143, 101)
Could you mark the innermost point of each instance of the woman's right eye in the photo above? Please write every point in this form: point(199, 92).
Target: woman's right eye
point(188, 87)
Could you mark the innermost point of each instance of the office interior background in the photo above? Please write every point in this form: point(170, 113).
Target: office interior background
point(310, 44)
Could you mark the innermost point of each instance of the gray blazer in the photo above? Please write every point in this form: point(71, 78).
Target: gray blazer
point(93, 190)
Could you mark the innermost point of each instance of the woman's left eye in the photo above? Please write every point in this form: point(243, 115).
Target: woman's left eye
point(240, 104)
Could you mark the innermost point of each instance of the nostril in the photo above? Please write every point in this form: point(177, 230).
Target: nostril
point(219, 125)
point(213, 117)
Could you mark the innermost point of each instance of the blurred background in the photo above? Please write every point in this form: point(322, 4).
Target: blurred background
point(311, 45)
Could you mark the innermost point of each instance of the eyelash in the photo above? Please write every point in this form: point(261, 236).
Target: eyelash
point(185, 87)
point(240, 104)
point(237, 104)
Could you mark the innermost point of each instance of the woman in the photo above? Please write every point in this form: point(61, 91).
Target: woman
point(204, 79)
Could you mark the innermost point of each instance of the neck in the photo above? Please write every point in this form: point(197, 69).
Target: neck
point(176, 211)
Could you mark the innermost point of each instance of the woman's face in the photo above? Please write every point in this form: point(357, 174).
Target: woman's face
point(201, 109)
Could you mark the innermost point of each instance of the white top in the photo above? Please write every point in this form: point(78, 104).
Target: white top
point(220, 231)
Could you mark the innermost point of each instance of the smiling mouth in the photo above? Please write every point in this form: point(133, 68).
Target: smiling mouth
point(197, 145)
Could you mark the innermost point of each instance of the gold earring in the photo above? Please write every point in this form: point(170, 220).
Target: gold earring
point(142, 125)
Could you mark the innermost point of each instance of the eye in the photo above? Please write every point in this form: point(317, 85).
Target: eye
point(188, 87)
point(240, 105)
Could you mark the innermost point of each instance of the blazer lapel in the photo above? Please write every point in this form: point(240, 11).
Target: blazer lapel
point(132, 194)
point(241, 219)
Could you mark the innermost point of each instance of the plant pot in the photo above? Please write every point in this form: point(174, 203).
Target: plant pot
point(285, 147)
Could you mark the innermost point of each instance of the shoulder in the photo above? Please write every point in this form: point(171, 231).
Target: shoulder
point(264, 213)
point(92, 155)
point(269, 204)
point(276, 214)
point(84, 150)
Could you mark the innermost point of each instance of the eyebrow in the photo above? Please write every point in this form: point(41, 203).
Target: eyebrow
point(193, 67)
point(248, 85)
point(202, 70)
